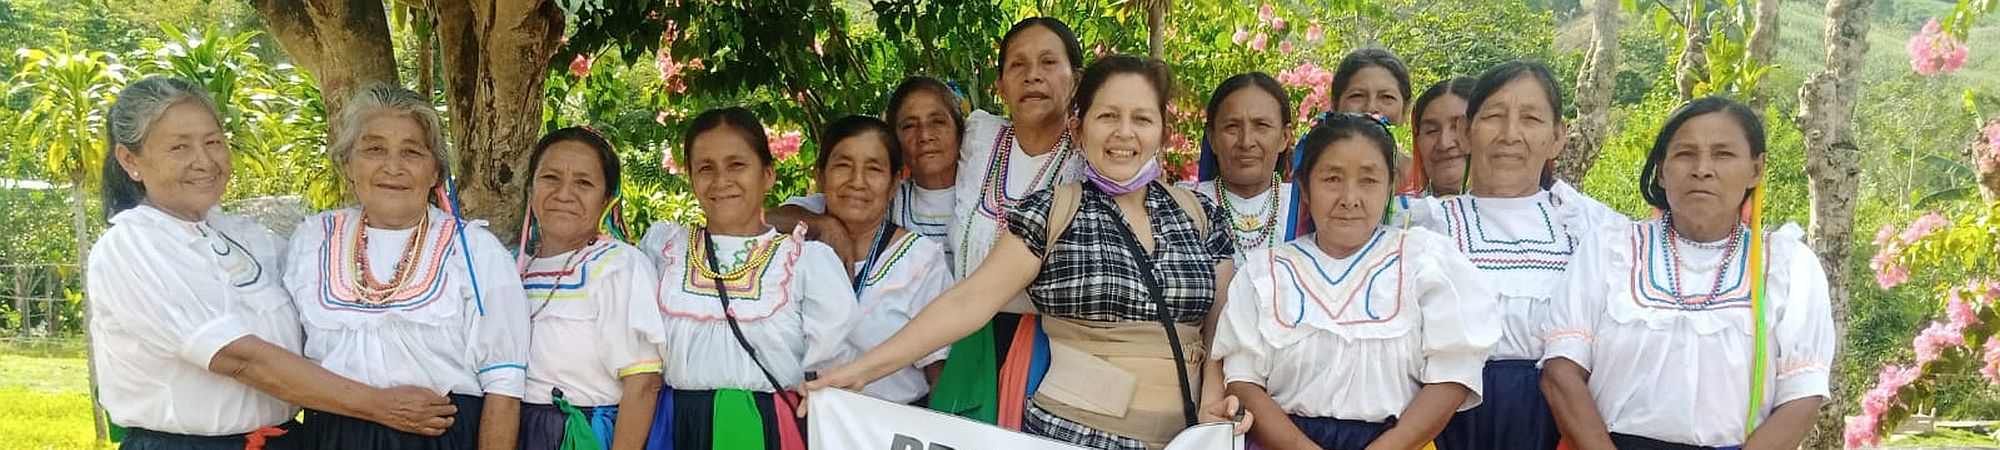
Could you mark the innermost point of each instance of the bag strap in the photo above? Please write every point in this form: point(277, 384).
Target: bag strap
point(722, 295)
point(1185, 198)
point(1149, 276)
point(1062, 210)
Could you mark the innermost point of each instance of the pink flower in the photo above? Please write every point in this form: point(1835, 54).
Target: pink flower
point(1960, 312)
point(1992, 156)
point(1932, 52)
point(1883, 236)
point(1260, 42)
point(1923, 227)
point(581, 66)
point(667, 162)
point(1285, 47)
point(1278, 23)
point(1935, 339)
point(1861, 432)
point(1888, 272)
point(1314, 33)
point(784, 145)
point(1265, 13)
point(1991, 367)
point(1241, 36)
point(662, 117)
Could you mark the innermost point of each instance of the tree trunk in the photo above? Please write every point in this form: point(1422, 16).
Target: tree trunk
point(344, 44)
point(1693, 66)
point(80, 228)
point(1594, 87)
point(1762, 47)
point(1156, 23)
point(1826, 118)
point(496, 57)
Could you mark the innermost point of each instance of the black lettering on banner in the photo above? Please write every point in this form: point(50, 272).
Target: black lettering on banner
point(905, 442)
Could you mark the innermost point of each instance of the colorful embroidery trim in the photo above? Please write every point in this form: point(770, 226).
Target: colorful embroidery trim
point(744, 281)
point(339, 277)
point(1648, 274)
point(889, 260)
point(1463, 221)
point(1374, 271)
point(583, 269)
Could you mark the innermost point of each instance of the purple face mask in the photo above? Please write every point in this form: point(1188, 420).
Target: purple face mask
point(1139, 181)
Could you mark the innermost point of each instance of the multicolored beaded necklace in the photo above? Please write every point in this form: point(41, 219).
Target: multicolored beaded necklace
point(364, 285)
point(1262, 230)
point(1673, 270)
point(993, 196)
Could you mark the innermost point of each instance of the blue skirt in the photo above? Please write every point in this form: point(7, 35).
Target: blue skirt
point(685, 420)
point(329, 431)
point(1634, 442)
point(144, 439)
point(1341, 434)
point(1512, 413)
point(543, 427)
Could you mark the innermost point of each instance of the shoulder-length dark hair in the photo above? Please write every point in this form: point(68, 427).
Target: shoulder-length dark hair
point(1649, 175)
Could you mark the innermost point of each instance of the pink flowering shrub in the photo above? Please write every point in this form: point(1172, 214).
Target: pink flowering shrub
point(1960, 337)
point(1932, 52)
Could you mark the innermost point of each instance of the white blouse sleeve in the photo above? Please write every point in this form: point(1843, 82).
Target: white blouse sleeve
point(137, 282)
point(937, 279)
point(826, 308)
point(815, 203)
point(1245, 354)
point(1579, 304)
point(1457, 309)
point(497, 337)
point(1803, 329)
point(633, 287)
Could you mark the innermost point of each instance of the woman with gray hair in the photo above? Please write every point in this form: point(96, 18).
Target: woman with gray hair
point(197, 339)
point(400, 290)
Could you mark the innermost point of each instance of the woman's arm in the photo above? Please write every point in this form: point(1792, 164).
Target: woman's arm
point(955, 314)
point(294, 379)
point(1275, 432)
point(1787, 426)
point(1566, 385)
point(499, 422)
point(635, 410)
point(1424, 418)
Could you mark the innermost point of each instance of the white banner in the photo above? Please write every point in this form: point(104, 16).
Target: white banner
point(845, 420)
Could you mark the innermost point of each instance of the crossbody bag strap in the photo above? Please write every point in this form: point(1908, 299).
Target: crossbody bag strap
point(722, 295)
point(1149, 276)
point(1062, 210)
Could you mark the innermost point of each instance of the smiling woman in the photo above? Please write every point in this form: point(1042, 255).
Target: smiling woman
point(397, 291)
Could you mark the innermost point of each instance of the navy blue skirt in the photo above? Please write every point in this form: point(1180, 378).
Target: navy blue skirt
point(1512, 414)
point(1634, 442)
point(144, 439)
point(1341, 434)
point(543, 427)
point(329, 431)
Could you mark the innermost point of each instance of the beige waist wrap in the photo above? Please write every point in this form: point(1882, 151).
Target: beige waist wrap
point(1118, 377)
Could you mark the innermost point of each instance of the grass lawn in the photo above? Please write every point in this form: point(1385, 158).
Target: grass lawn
point(44, 398)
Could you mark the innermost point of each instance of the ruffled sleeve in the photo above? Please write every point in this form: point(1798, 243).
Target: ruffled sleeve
point(1579, 304)
point(827, 307)
point(1582, 213)
point(1028, 220)
point(632, 282)
point(1245, 354)
point(1803, 329)
point(498, 333)
point(136, 283)
point(1458, 330)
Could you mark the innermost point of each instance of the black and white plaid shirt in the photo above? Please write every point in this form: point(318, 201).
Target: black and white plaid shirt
point(1092, 274)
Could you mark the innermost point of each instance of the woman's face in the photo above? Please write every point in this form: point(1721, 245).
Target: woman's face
point(183, 161)
point(1038, 80)
point(857, 179)
point(392, 168)
point(1350, 184)
point(928, 134)
point(1708, 168)
point(1247, 135)
point(1441, 140)
point(1373, 90)
point(1123, 128)
point(570, 192)
point(728, 177)
point(1516, 133)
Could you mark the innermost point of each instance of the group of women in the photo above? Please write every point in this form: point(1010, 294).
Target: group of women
point(1032, 271)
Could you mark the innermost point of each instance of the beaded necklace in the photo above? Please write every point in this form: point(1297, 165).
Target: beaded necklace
point(759, 255)
point(1673, 270)
point(993, 196)
point(364, 284)
point(569, 267)
point(1261, 231)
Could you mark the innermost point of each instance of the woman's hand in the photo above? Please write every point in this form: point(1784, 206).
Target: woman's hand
point(850, 377)
point(1226, 411)
point(413, 410)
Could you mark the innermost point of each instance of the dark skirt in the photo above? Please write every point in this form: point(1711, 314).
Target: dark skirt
point(329, 431)
point(685, 420)
point(1632, 442)
point(1512, 413)
point(144, 439)
point(1341, 434)
point(543, 427)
